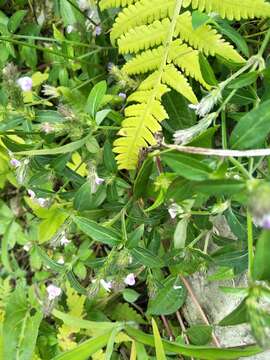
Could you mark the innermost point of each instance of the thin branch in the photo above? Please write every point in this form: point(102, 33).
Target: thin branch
point(219, 152)
point(167, 327)
point(199, 308)
point(183, 328)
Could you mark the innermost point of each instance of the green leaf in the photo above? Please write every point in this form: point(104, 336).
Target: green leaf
point(21, 324)
point(256, 122)
point(207, 71)
point(96, 327)
point(109, 158)
point(200, 352)
point(68, 12)
point(135, 236)
point(15, 20)
point(95, 98)
point(180, 189)
point(143, 177)
point(186, 166)
point(83, 198)
point(97, 232)
point(237, 316)
point(48, 261)
point(261, 269)
point(219, 187)
point(84, 350)
point(199, 334)
point(243, 80)
point(130, 295)
point(180, 115)
point(169, 298)
point(160, 353)
point(146, 257)
point(68, 148)
point(180, 234)
point(234, 35)
point(48, 227)
point(5, 247)
point(199, 18)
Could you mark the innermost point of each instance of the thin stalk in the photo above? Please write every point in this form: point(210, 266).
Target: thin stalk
point(224, 130)
point(44, 49)
point(198, 306)
point(265, 43)
point(250, 244)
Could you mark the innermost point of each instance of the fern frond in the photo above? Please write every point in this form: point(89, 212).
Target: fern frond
point(182, 55)
point(187, 59)
point(141, 95)
point(106, 4)
point(163, 42)
point(205, 38)
point(232, 9)
point(142, 12)
point(173, 78)
point(141, 122)
point(144, 37)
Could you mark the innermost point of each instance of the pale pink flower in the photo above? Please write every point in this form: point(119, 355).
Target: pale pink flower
point(130, 279)
point(107, 285)
point(53, 291)
point(15, 163)
point(25, 83)
point(47, 128)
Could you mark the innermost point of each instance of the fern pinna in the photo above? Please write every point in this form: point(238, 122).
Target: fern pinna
point(166, 48)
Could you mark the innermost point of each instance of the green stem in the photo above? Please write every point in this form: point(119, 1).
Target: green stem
point(49, 51)
point(250, 244)
point(224, 130)
point(241, 168)
point(265, 43)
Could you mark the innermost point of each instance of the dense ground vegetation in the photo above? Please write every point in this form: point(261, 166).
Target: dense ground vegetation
point(133, 155)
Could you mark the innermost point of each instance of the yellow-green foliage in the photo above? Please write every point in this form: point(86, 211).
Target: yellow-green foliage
point(165, 46)
point(75, 305)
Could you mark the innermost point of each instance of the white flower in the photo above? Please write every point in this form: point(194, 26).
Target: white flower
point(98, 180)
point(69, 29)
point(53, 292)
point(47, 128)
point(64, 240)
point(130, 279)
point(27, 247)
point(107, 285)
point(42, 202)
point(15, 163)
point(25, 83)
point(177, 287)
point(123, 95)
point(173, 210)
point(31, 194)
point(182, 137)
point(207, 103)
point(61, 260)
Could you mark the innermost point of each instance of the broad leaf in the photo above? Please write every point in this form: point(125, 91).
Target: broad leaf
point(252, 129)
point(97, 232)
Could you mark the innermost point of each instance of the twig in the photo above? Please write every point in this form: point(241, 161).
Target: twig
point(183, 328)
point(219, 152)
point(199, 308)
point(167, 326)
